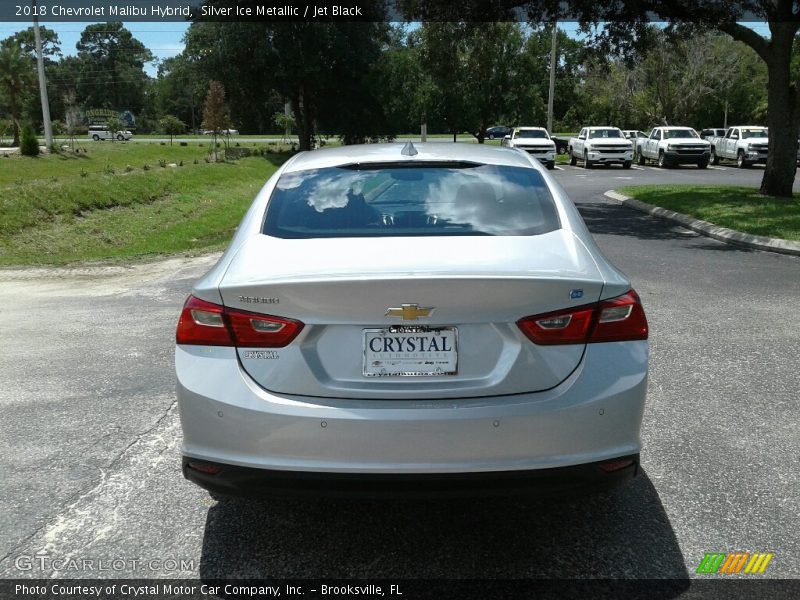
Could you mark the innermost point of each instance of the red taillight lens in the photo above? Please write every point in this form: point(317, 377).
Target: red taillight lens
point(615, 320)
point(253, 330)
point(207, 324)
point(203, 323)
point(620, 319)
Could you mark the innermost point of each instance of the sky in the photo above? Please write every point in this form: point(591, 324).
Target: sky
point(165, 39)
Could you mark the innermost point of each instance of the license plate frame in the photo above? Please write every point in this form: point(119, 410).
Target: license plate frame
point(440, 363)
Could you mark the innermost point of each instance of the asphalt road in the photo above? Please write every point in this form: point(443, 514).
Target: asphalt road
point(89, 439)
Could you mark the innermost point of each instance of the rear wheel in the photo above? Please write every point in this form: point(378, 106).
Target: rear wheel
point(587, 164)
point(640, 158)
point(740, 161)
point(491, 136)
point(572, 160)
point(120, 137)
point(96, 137)
point(714, 158)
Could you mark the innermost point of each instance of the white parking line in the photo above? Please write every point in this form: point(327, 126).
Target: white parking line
point(618, 177)
point(637, 168)
point(716, 168)
point(557, 168)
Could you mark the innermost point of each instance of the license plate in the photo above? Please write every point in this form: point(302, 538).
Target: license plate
point(410, 352)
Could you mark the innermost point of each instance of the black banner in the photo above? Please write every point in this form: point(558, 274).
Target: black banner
point(378, 10)
point(399, 589)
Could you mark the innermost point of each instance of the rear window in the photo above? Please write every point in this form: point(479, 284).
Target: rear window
point(396, 200)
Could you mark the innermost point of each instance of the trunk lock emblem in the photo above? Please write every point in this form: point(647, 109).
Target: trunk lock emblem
point(409, 312)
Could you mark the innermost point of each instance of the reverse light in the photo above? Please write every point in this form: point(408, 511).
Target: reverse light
point(208, 324)
point(615, 320)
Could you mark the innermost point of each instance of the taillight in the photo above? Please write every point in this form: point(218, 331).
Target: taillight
point(619, 319)
point(252, 330)
point(203, 323)
point(208, 324)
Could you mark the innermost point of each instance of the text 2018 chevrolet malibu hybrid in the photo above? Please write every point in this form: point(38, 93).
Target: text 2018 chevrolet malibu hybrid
point(429, 319)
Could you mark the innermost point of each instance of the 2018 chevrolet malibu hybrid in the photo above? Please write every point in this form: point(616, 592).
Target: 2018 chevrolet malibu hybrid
point(429, 319)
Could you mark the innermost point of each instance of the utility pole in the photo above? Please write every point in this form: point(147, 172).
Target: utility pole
point(552, 79)
point(48, 126)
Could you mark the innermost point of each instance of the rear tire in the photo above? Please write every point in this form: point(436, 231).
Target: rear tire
point(96, 137)
point(120, 137)
point(572, 160)
point(640, 160)
point(714, 158)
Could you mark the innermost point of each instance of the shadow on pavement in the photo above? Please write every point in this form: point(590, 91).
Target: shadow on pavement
point(624, 533)
point(612, 219)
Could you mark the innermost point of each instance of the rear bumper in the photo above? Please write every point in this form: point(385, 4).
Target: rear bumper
point(250, 482)
point(593, 416)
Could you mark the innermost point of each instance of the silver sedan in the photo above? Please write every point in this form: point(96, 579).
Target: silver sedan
point(429, 319)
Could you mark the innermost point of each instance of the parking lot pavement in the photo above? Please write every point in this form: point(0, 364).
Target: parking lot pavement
point(589, 180)
point(90, 435)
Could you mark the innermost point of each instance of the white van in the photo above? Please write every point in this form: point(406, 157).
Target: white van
point(101, 132)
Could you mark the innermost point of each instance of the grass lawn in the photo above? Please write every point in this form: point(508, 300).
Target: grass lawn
point(739, 208)
point(105, 205)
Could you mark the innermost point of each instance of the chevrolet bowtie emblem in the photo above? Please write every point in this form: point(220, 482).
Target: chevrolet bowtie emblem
point(409, 312)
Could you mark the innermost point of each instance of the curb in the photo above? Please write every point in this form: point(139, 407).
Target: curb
point(722, 234)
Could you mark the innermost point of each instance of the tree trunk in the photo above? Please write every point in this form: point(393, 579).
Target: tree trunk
point(781, 115)
point(303, 121)
point(455, 136)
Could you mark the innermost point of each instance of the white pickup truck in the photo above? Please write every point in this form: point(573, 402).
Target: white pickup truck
point(535, 141)
point(670, 146)
point(746, 144)
point(605, 145)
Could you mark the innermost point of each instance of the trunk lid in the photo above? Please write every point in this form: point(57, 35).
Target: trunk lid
point(477, 288)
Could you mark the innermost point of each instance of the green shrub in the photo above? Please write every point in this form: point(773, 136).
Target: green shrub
point(146, 167)
point(28, 144)
point(184, 143)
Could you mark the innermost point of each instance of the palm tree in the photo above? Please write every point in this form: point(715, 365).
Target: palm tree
point(16, 78)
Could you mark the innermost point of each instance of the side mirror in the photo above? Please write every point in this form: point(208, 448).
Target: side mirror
point(581, 137)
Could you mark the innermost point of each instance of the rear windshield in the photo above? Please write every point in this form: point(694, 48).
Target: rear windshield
point(605, 133)
point(395, 201)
